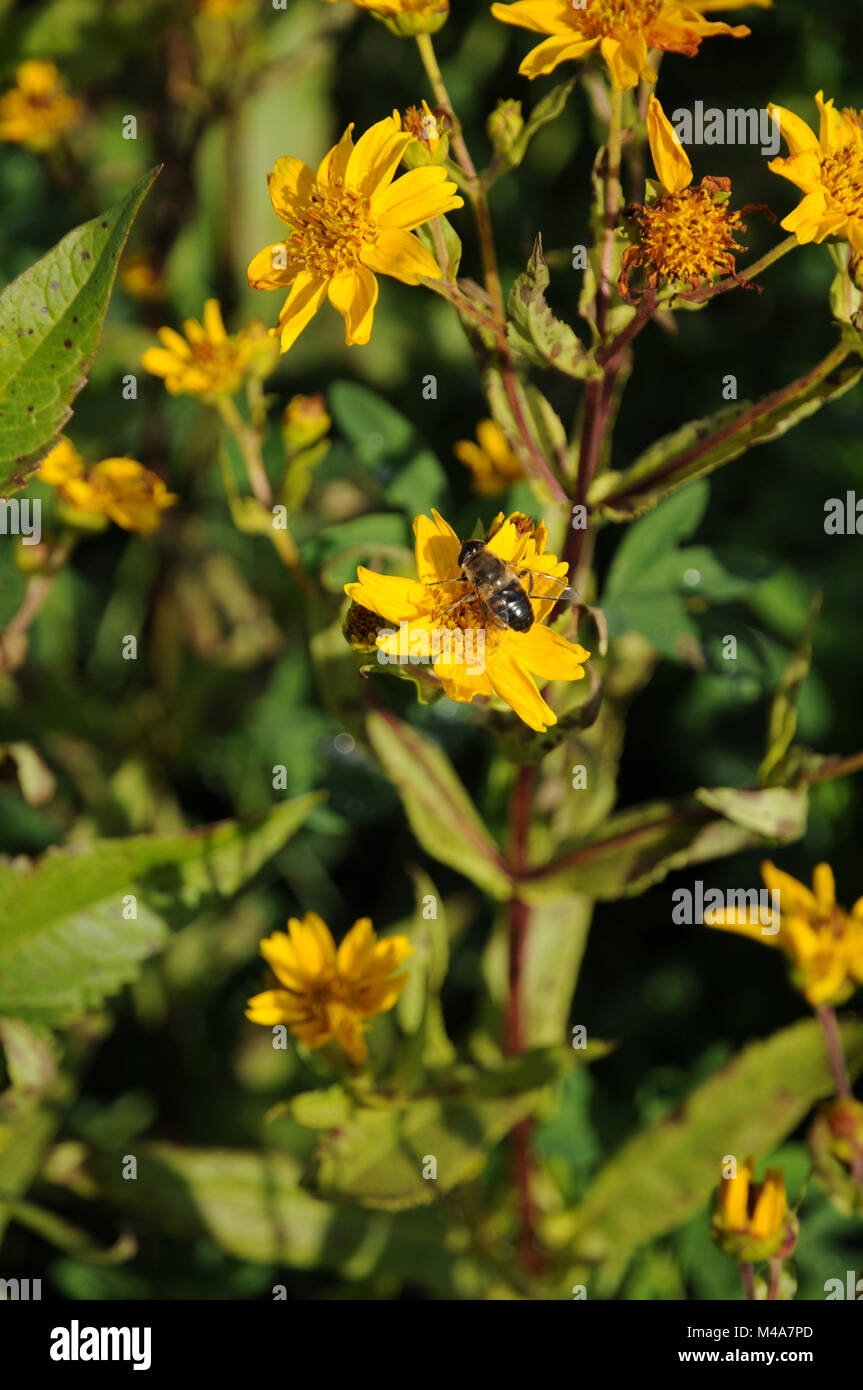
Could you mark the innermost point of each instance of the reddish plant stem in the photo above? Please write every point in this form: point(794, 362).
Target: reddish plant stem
point(519, 922)
point(748, 1278)
point(827, 1019)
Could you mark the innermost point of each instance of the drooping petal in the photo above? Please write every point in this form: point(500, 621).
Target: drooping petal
point(512, 683)
point(355, 294)
point(806, 219)
point(214, 324)
point(541, 16)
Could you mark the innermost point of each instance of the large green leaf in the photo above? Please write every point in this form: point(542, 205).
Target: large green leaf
point(442, 815)
point(65, 943)
point(50, 325)
point(251, 1205)
point(666, 1173)
point(536, 333)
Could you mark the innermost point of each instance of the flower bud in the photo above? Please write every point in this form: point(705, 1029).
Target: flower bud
point(417, 17)
point(504, 126)
point(304, 422)
point(836, 1143)
point(751, 1221)
point(431, 141)
point(361, 627)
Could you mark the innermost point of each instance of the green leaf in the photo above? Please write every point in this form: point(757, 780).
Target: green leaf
point(50, 325)
point(442, 815)
point(701, 446)
point(65, 943)
point(548, 109)
point(378, 1156)
point(640, 847)
point(419, 1009)
point(252, 1206)
point(782, 722)
point(665, 1174)
point(533, 329)
point(652, 537)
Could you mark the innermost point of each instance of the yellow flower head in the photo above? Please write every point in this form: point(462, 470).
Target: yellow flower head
point(751, 1221)
point(328, 993)
point(430, 144)
point(347, 221)
point(38, 109)
point(686, 235)
point(407, 17)
point(823, 942)
point(622, 30)
point(141, 277)
point(120, 489)
point(440, 613)
point(491, 461)
point(828, 169)
point(223, 9)
point(208, 361)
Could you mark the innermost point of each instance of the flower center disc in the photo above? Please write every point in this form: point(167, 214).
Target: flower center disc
point(330, 233)
point(842, 175)
point(615, 18)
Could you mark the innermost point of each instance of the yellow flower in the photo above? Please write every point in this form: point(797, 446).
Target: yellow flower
point(823, 942)
point(828, 169)
point(209, 361)
point(491, 460)
point(686, 235)
point(407, 17)
point(430, 143)
point(346, 222)
point(38, 110)
point(120, 489)
point(439, 612)
point(141, 278)
point(751, 1221)
point(223, 9)
point(622, 30)
point(328, 993)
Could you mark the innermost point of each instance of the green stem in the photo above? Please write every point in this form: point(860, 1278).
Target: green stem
point(249, 443)
point(736, 282)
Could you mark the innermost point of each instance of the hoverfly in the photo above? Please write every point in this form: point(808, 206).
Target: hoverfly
point(497, 587)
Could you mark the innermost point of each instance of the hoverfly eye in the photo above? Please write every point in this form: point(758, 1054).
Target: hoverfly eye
point(468, 548)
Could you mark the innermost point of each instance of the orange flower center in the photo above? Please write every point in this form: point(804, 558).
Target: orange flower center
point(688, 236)
point(842, 176)
point(330, 234)
point(456, 606)
point(615, 18)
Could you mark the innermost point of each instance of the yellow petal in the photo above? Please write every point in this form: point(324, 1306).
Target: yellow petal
point(396, 599)
point(214, 325)
point(669, 157)
point(436, 547)
point(290, 186)
point(798, 135)
point(551, 52)
point(512, 683)
point(824, 887)
point(402, 256)
point(272, 268)
point(306, 297)
point(541, 16)
point(416, 197)
point(355, 294)
point(334, 164)
point(548, 655)
point(375, 157)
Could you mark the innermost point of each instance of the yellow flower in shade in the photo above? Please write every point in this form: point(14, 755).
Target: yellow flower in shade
point(120, 489)
point(751, 1221)
point(622, 30)
point(823, 942)
point(347, 222)
point(828, 169)
point(38, 110)
point(407, 17)
point(439, 613)
point(208, 361)
point(141, 277)
point(223, 9)
point(491, 461)
point(686, 235)
point(328, 993)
